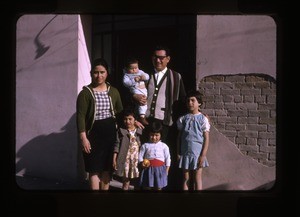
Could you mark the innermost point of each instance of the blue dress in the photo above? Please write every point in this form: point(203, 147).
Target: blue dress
point(192, 127)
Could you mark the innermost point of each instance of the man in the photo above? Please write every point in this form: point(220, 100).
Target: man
point(166, 93)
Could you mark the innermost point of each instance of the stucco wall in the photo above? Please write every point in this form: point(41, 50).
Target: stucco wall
point(236, 72)
point(51, 64)
point(234, 44)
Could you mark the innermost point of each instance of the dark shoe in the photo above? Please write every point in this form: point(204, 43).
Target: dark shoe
point(144, 121)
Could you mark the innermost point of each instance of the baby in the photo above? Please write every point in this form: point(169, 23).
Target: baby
point(135, 79)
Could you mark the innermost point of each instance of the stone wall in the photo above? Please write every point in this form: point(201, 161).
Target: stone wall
point(243, 108)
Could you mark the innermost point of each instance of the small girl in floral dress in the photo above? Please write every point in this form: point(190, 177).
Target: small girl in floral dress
point(126, 151)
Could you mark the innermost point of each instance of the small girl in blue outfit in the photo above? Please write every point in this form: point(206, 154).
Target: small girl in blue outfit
point(193, 142)
point(155, 160)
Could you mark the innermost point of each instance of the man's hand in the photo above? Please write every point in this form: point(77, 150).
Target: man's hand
point(140, 98)
point(139, 125)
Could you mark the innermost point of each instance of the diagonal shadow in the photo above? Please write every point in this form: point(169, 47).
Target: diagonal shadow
point(41, 48)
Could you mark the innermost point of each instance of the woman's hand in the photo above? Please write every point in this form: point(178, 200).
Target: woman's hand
point(86, 146)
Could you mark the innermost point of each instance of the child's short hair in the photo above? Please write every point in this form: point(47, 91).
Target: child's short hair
point(129, 61)
point(156, 127)
point(129, 112)
point(196, 94)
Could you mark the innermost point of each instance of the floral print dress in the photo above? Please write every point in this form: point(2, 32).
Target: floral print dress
point(131, 163)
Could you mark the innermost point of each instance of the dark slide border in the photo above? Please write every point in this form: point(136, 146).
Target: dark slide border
point(223, 203)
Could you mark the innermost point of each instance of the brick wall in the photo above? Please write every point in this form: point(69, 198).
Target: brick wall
point(243, 108)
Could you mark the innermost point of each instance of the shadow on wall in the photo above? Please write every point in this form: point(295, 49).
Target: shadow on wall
point(55, 156)
point(231, 170)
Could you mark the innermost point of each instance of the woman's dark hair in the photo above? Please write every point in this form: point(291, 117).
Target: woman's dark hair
point(97, 62)
point(156, 127)
point(196, 94)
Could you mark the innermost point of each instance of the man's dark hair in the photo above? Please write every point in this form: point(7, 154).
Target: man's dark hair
point(163, 47)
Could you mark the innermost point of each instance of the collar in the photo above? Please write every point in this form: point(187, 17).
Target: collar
point(163, 71)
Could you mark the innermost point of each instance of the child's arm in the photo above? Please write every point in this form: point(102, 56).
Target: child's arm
point(167, 168)
point(204, 148)
point(115, 160)
point(167, 155)
point(178, 144)
point(141, 153)
point(178, 140)
point(144, 76)
point(128, 81)
point(141, 157)
point(116, 151)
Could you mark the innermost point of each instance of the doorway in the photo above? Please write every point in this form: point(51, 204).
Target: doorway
point(116, 37)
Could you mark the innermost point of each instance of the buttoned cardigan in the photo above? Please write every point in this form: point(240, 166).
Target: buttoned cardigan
point(86, 106)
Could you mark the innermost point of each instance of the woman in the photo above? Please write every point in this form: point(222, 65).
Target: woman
point(97, 106)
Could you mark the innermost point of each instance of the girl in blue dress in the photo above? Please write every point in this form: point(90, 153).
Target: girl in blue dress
point(193, 142)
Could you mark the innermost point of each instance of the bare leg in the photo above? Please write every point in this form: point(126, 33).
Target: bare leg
point(126, 183)
point(94, 181)
point(105, 180)
point(198, 179)
point(185, 180)
point(192, 179)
